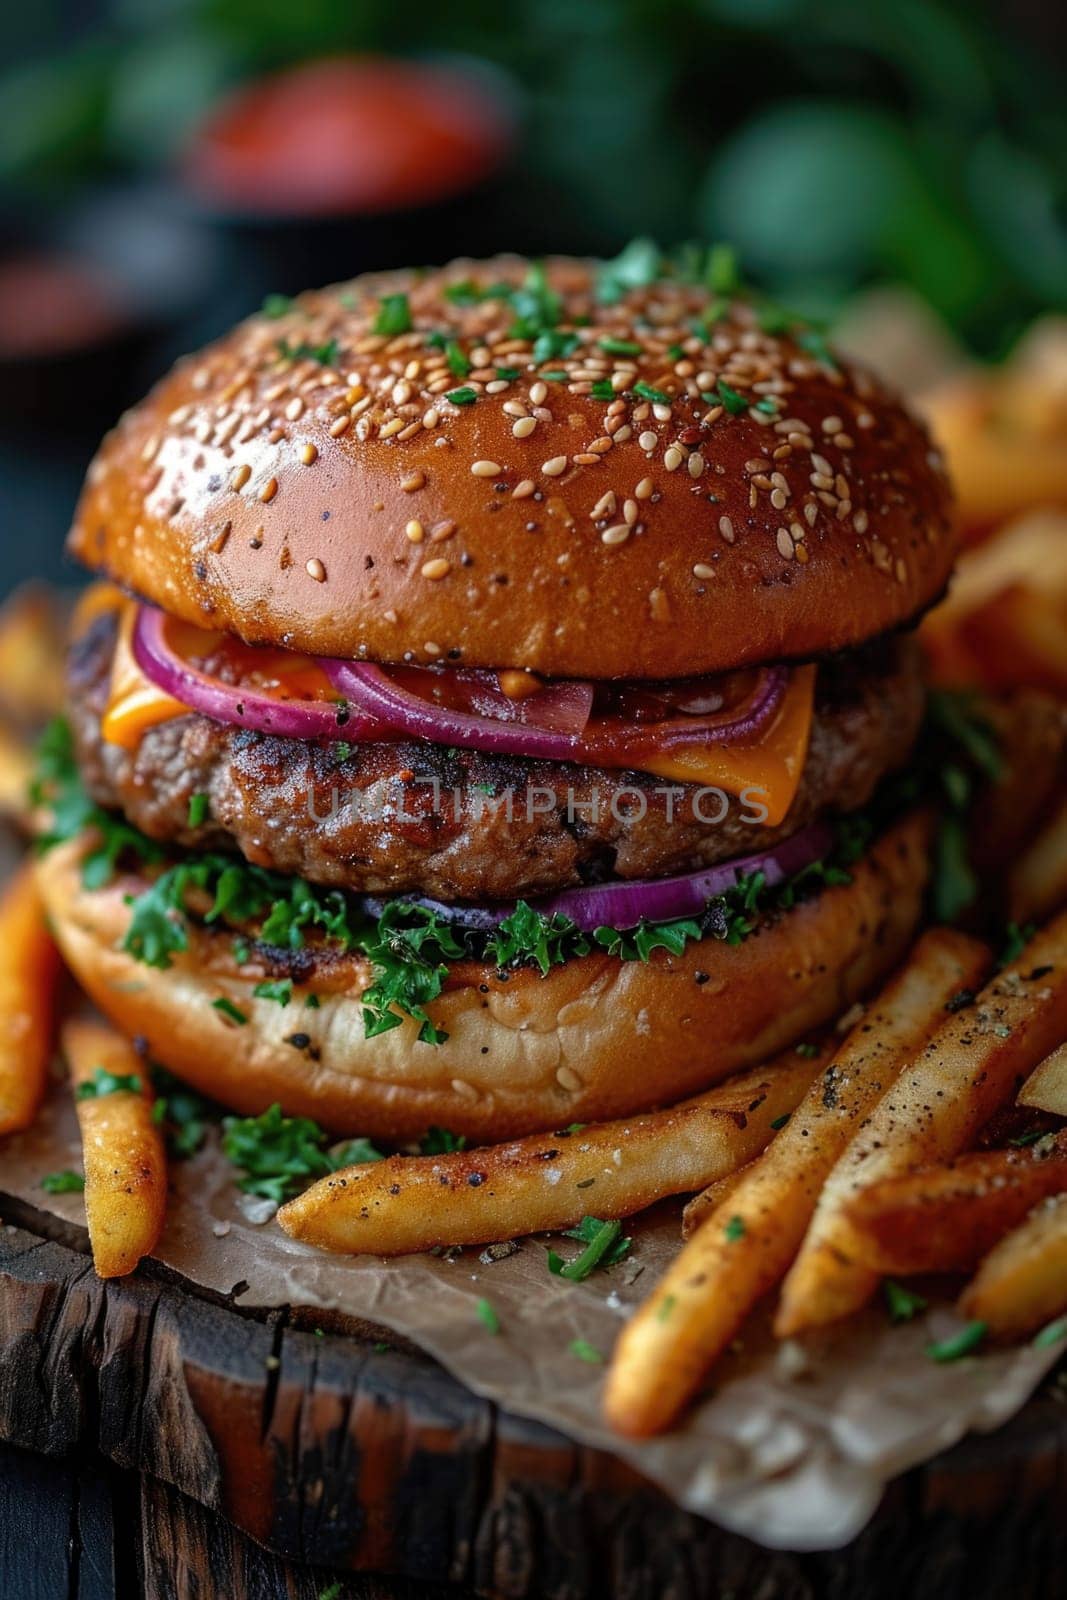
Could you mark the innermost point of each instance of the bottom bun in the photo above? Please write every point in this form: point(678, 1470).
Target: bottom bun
point(596, 1038)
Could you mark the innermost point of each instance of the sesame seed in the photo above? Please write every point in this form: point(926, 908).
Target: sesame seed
point(605, 506)
point(644, 489)
point(315, 569)
point(415, 531)
point(726, 528)
point(309, 453)
point(339, 427)
point(832, 424)
point(784, 543)
point(240, 476)
point(554, 467)
point(430, 418)
point(389, 428)
point(514, 408)
point(413, 481)
point(523, 490)
point(629, 512)
point(523, 428)
point(648, 440)
point(442, 531)
point(269, 490)
point(702, 570)
point(437, 568)
point(860, 522)
point(486, 469)
point(696, 464)
point(673, 458)
point(821, 465)
point(539, 393)
point(294, 409)
point(616, 535)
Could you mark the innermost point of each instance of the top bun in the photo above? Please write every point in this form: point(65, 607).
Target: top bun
point(596, 499)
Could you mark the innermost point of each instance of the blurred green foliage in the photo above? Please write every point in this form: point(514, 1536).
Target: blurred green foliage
point(835, 141)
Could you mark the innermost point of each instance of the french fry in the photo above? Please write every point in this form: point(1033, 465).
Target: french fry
point(16, 770)
point(411, 1203)
point(32, 651)
point(125, 1165)
point(935, 1110)
point(1046, 1087)
point(743, 1248)
point(1022, 1283)
point(1037, 884)
point(29, 967)
point(945, 1219)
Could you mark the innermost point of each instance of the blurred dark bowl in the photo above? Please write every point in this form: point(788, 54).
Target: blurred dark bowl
point(95, 293)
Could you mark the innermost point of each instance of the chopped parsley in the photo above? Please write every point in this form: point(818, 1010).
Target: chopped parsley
point(57, 787)
point(958, 1345)
point(327, 354)
point(901, 1303)
point(603, 389)
point(620, 347)
point(487, 1316)
point(509, 374)
point(462, 397)
point(722, 273)
point(586, 1352)
point(458, 363)
point(277, 1155)
point(440, 1142)
point(394, 315)
point(184, 1113)
point(779, 1122)
point(1016, 939)
point(277, 305)
point(280, 991)
point(226, 1008)
point(813, 341)
point(333, 1590)
point(666, 1306)
point(66, 1182)
point(647, 392)
point(103, 1083)
point(807, 1050)
point(734, 1229)
point(603, 1248)
point(735, 403)
point(966, 750)
point(1051, 1334)
point(635, 267)
point(198, 810)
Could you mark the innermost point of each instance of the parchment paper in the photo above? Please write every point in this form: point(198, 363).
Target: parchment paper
point(793, 1447)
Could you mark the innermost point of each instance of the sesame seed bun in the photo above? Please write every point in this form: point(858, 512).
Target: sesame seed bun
point(619, 495)
point(596, 1038)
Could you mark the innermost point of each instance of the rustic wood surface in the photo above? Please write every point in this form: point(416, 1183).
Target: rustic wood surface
point(335, 1454)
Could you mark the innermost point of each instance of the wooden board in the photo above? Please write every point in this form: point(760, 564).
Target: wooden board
point(330, 1450)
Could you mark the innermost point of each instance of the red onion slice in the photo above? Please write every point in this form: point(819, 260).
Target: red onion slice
point(245, 708)
point(371, 689)
point(622, 904)
point(611, 742)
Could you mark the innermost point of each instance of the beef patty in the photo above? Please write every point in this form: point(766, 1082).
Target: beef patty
point(411, 816)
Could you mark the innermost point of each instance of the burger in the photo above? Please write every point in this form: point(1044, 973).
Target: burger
point(491, 710)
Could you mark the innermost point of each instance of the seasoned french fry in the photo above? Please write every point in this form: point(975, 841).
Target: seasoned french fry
point(1046, 1087)
point(125, 1166)
point(611, 1169)
point(16, 769)
point(935, 1110)
point(29, 966)
point(1022, 1284)
point(945, 1219)
point(1038, 881)
point(743, 1248)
